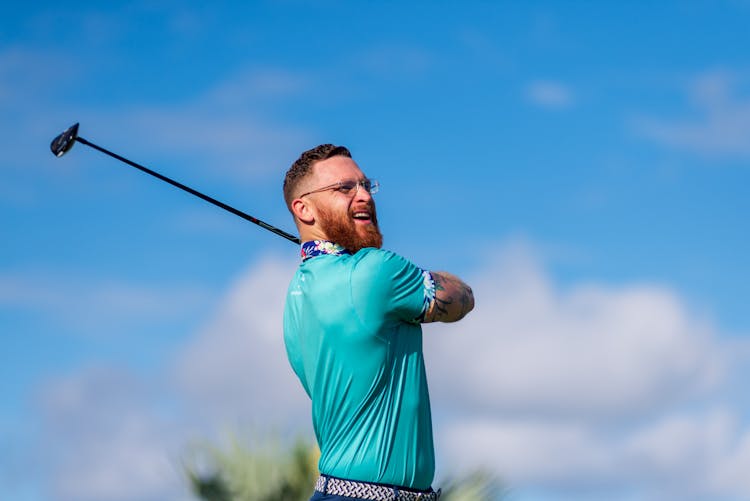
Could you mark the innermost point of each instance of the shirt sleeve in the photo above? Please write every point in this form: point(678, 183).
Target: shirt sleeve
point(388, 285)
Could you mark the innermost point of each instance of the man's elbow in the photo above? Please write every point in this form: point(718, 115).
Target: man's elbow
point(453, 299)
point(466, 304)
point(469, 301)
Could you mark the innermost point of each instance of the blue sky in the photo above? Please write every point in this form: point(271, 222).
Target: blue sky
point(584, 165)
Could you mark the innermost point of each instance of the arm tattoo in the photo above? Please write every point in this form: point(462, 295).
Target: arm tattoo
point(453, 298)
point(441, 303)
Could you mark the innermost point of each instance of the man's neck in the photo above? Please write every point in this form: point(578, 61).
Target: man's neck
point(314, 248)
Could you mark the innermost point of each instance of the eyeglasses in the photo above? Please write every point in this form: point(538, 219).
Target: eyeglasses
point(370, 186)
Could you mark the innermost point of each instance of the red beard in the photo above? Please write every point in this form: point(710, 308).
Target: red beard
point(345, 232)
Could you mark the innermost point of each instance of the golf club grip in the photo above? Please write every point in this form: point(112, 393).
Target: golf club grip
point(190, 190)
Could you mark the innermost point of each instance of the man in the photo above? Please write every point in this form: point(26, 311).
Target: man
point(353, 335)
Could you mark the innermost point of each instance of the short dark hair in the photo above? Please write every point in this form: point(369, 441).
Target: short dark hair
point(302, 166)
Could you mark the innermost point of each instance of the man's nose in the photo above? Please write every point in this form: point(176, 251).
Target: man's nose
point(362, 194)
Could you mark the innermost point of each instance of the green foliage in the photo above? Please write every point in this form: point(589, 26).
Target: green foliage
point(474, 486)
point(210, 487)
point(268, 471)
point(272, 471)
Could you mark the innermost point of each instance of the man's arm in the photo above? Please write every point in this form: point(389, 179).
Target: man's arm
point(453, 299)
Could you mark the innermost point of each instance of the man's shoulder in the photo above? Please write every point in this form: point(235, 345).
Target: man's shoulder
point(372, 256)
point(389, 284)
point(383, 264)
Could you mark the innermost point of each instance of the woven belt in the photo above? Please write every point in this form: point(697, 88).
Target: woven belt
point(373, 492)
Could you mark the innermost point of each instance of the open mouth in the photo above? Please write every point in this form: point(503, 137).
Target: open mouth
point(362, 216)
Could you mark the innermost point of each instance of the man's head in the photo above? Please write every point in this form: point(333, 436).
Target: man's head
point(330, 199)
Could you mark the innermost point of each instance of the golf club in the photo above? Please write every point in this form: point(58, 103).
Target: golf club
point(65, 141)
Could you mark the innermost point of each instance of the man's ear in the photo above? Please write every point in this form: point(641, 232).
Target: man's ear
point(303, 211)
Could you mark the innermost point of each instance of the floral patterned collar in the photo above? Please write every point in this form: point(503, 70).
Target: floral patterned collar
point(318, 247)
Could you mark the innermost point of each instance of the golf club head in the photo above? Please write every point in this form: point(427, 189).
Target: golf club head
point(65, 141)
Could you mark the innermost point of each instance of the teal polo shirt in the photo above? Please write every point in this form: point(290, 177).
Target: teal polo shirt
point(353, 337)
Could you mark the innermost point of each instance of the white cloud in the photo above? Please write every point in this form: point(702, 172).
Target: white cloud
point(233, 143)
point(227, 129)
point(104, 438)
point(571, 390)
point(618, 381)
point(127, 462)
point(395, 61)
point(28, 101)
point(677, 456)
point(590, 352)
point(97, 306)
point(680, 449)
point(722, 124)
point(131, 432)
point(222, 130)
point(25, 72)
point(525, 452)
point(549, 94)
point(257, 86)
point(730, 473)
point(235, 368)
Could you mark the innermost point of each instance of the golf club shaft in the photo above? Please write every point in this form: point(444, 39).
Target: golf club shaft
point(190, 190)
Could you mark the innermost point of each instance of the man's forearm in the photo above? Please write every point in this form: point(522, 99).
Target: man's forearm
point(453, 298)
